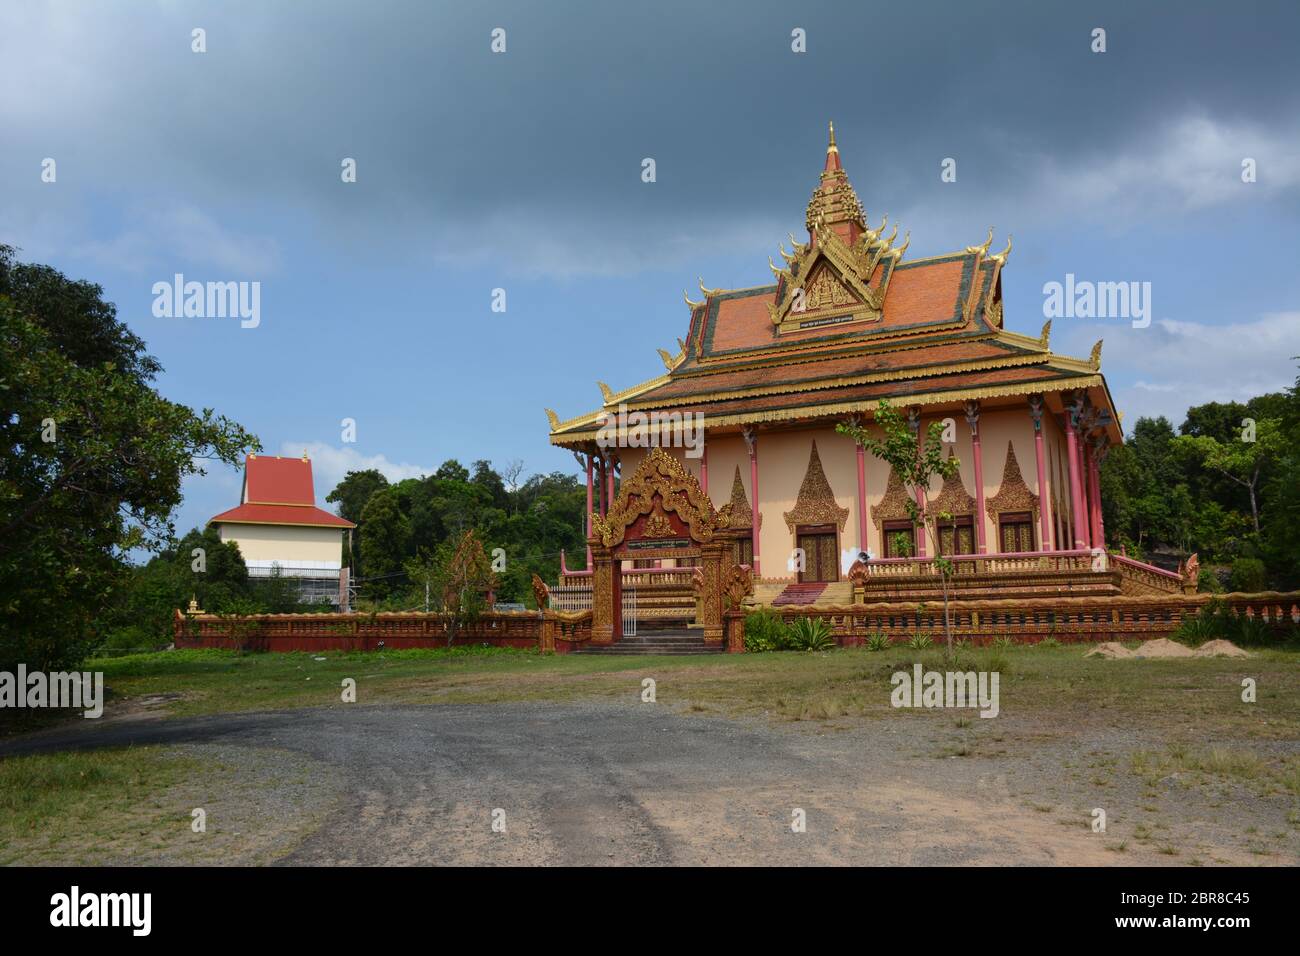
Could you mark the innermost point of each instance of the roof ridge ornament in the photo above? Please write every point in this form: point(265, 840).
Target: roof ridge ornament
point(1045, 336)
point(1095, 358)
point(692, 305)
point(606, 392)
point(984, 248)
point(1001, 257)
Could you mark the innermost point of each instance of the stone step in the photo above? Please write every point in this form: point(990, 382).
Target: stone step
point(614, 650)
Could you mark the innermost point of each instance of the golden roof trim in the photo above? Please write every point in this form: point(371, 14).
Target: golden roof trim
point(841, 408)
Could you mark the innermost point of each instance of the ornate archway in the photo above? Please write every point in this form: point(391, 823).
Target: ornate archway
point(660, 512)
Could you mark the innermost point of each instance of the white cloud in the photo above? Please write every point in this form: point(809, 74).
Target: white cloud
point(179, 235)
point(330, 465)
point(1177, 364)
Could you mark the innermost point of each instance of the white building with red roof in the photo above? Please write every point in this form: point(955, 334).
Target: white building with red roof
point(278, 527)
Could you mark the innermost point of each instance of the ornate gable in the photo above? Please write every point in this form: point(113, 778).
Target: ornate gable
point(742, 515)
point(953, 498)
point(1013, 494)
point(893, 506)
point(816, 502)
point(660, 485)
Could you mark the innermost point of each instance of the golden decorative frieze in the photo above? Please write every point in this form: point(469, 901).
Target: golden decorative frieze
point(953, 498)
point(816, 502)
point(659, 482)
point(893, 506)
point(1013, 494)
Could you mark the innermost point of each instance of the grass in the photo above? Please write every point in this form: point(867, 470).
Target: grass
point(847, 683)
point(135, 805)
point(1255, 772)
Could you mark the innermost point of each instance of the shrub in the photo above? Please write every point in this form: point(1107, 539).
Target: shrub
point(878, 641)
point(1248, 575)
point(1002, 643)
point(1049, 642)
point(811, 634)
point(919, 641)
point(765, 631)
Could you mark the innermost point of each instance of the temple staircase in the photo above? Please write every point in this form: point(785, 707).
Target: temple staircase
point(669, 642)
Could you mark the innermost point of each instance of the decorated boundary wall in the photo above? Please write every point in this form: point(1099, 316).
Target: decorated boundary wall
point(981, 622)
point(1078, 619)
point(556, 631)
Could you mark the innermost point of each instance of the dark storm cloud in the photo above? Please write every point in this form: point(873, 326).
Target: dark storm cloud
point(458, 146)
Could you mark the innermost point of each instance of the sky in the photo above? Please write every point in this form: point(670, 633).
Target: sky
point(522, 170)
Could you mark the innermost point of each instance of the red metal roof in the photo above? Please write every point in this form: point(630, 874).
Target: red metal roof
point(279, 491)
point(281, 514)
point(269, 480)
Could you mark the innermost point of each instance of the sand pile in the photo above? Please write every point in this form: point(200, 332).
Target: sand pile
point(1163, 647)
point(1110, 650)
point(1220, 648)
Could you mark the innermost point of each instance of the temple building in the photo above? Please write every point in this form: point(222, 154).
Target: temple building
point(279, 529)
point(767, 373)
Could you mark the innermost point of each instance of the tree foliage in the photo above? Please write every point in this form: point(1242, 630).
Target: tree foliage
point(91, 463)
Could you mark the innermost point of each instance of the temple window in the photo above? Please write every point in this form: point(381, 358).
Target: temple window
point(900, 539)
point(745, 551)
point(1016, 532)
point(957, 536)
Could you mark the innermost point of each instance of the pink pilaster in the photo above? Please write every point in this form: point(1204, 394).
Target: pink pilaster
point(862, 498)
point(751, 439)
point(590, 489)
point(977, 457)
point(1044, 500)
point(1076, 485)
point(920, 497)
point(1094, 491)
point(704, 470)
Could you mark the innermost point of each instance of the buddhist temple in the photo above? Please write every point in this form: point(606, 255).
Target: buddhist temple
point(765, 374)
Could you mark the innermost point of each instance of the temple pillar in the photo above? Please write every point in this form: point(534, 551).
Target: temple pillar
point(590, 489)
point(1094, 488)
point(704, 469)
point(914, 423)
point(751, 442)
point(977, 459)
point(1044, 499)
point(1076, 479)
point(609, 483)
point(862, 497)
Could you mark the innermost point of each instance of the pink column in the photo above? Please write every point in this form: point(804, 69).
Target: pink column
point(1044, 499)
point(920, 492)
point(589, 496)
point(977, 459)
point(862, 498)
point(1076, 485)
point(1094, 489)
point(704, 469)
point(751, 439)
point(609, 485)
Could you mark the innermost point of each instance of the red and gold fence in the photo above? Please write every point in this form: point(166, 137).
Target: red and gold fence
point(553, 631)
point(1067, 619)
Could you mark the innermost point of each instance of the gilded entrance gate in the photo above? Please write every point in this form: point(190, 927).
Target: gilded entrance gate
point(660, 512)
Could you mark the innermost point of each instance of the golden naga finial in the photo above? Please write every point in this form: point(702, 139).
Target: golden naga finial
point(799, 247)
point(982, 249)
point(605, 391)
point(708, 293)
point(1045, 336)
point(779, 273)
point(1001, 257)
point(832, 148)
point(553, 418)
point(670, 360)
point(692, 305)
point(907, 241)
point(681, 344)
point(1095, 358)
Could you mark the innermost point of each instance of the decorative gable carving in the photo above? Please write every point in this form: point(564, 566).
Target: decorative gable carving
point(816, 501)
point(1013, 494)
point(742, 516)
point(893, 506)
point(953, 498)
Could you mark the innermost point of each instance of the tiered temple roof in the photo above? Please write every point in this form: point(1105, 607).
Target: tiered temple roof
point(848, 322)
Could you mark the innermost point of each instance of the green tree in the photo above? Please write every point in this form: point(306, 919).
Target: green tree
point(1243, 461)
point(915, 467)
point(91, 463)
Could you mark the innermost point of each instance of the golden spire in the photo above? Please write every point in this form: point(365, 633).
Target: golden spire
point(832, 148)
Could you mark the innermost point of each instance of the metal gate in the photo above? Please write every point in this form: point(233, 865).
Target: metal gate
point(629, 612)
